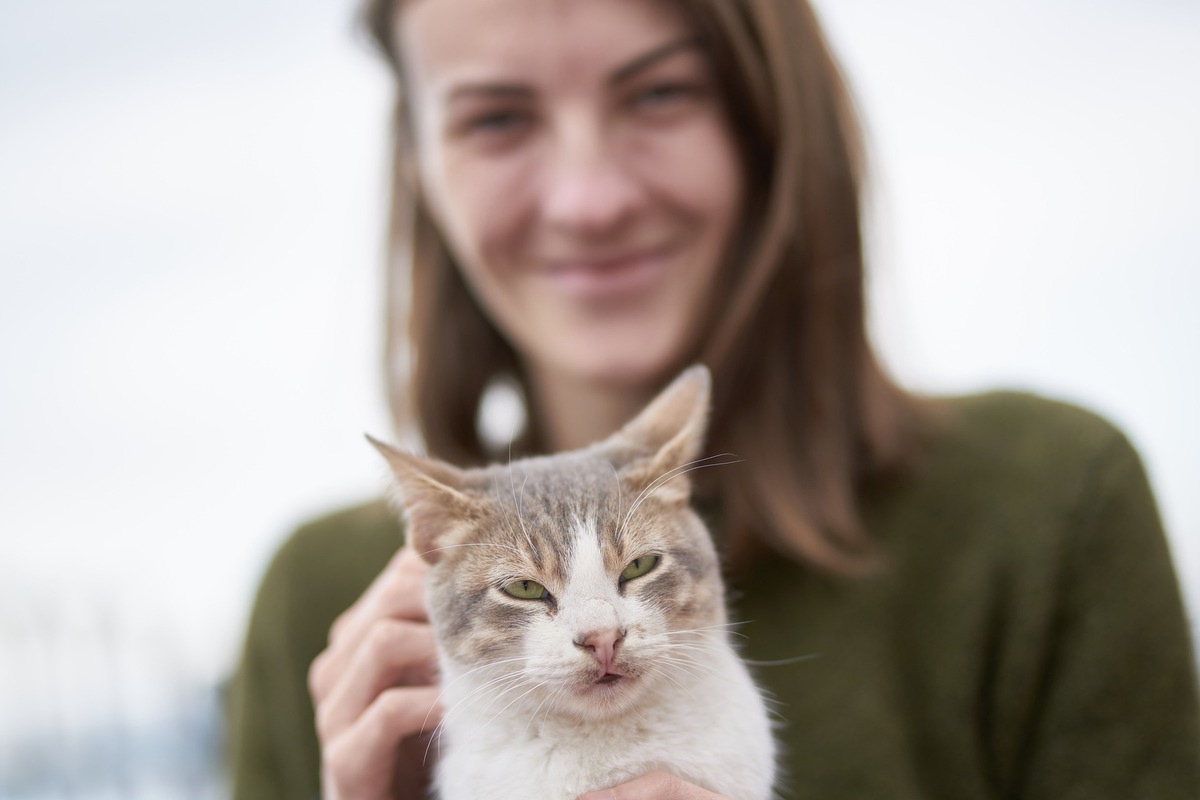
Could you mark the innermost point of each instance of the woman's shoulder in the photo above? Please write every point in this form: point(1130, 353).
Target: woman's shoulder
point(367, 526)
point(1026, 424)
point(1023, 438)
point(1022, 472)
point(1024, 504)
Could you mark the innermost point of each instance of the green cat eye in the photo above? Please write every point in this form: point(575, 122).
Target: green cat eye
point(526, 590)
point(639, 567)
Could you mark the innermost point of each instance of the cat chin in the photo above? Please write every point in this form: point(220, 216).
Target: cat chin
point(603, 699)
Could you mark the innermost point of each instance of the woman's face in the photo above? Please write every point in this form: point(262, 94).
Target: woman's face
point(579, 163)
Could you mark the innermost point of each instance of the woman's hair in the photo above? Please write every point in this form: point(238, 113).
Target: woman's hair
point(798, 392)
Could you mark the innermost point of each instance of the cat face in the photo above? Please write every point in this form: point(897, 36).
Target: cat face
point(575, 601)
point(572, 584)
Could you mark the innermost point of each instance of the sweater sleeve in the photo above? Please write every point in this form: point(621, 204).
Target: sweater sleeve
point(274, 749)
point(317, 573)
point(1119, 712)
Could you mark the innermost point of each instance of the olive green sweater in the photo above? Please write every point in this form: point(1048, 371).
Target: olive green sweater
point(1026, 638)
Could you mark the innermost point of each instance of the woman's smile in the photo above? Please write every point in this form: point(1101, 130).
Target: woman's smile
point(605, 279)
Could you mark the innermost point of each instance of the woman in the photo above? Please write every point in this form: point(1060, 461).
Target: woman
point(592, 195)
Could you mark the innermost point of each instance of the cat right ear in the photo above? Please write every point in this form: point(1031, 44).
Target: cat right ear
point(671, 431)
point(431, 494)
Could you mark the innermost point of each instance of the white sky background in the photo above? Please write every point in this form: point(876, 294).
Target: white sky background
point(191, 206)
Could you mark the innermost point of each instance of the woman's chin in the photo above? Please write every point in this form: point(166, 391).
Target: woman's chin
point(640, 367)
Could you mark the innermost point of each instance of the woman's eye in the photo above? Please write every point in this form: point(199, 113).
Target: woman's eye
point(496, 122)
point(526, 590)
point(639, 567)
point(661, 95)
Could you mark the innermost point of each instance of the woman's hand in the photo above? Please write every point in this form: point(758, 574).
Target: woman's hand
point(374, 690)
point(654, 786)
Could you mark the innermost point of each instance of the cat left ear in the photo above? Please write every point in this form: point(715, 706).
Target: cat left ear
point(672, 429)
point(432, 496)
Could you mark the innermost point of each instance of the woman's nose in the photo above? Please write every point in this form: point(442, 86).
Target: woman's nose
point(589, 188)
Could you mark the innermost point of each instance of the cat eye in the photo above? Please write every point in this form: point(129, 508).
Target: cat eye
point(639, 567)
point(526, 590)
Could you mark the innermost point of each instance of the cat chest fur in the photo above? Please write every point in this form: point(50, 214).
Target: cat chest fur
point(711, 730)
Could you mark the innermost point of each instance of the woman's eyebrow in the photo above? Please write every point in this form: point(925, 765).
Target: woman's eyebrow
point(488, 90)
point(646, 60)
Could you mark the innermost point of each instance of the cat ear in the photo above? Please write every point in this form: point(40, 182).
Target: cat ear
point(671, 429)
point(432, 495)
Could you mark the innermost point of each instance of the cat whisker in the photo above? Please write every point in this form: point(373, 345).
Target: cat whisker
point(694, 668)
point(579, 722)
point(517, 682)
point(561, 693)
point(658, 671)
point(685, 664)
point(617, 480)
point(727, 626)
point(471, 544)
point(689, 665)
point(451, 711)
point(492, 690)
point(490, 665)
point(533, 716)
point(683, 469)
point(508, 526)
point(701, 636)
point(485, 685)
point(513, 679)
point(783, 662)
point(675, 673)
point(694, 635)
point(549, 702)
point(637, 712)
point(515, 700)
point(511, 438)
point(692, 650)
point(517, 504)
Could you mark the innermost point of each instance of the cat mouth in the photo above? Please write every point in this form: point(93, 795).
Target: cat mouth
point(605, 684)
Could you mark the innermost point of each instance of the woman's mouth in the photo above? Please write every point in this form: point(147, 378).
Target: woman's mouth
point(610, 278)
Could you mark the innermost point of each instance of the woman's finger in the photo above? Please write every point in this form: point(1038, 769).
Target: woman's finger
point(653, 786)
point(395, 594)
point(362, 761)
point(394, 653)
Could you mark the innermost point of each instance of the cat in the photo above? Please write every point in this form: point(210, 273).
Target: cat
point(580, 617)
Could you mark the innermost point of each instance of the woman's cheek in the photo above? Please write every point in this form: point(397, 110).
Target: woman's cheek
point(489, 202)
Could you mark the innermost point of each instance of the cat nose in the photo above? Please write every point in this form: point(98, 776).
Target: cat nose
point(602, 644)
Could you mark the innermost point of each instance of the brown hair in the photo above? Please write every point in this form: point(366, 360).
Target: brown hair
point(798, 392)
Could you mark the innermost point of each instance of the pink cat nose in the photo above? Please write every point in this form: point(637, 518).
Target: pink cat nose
point(602, 645)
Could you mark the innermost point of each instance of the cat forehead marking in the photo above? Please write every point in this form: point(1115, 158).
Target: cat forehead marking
point(588, 568)
point(581, 472)
point(558, 491)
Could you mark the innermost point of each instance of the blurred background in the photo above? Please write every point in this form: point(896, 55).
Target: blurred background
point(191, 215)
